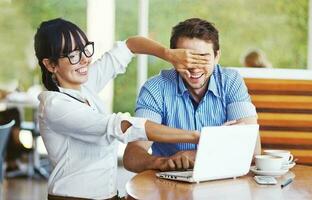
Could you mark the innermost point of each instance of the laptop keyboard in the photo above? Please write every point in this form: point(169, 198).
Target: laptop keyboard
point(182, 173)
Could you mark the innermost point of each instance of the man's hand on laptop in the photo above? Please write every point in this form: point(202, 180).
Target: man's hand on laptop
point(242, 121)
point(233, 122)
point(182, 160)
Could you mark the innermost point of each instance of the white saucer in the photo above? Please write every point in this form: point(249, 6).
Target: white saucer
point(268, 173)
point(289, 166)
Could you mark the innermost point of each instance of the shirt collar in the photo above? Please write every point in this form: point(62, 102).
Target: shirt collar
point(72, 92)
point(211, 87)
point(181, 85)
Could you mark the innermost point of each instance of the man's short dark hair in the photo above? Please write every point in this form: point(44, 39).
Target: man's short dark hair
point(195, 28)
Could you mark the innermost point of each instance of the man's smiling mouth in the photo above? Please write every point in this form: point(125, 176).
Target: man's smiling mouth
point(196, 76)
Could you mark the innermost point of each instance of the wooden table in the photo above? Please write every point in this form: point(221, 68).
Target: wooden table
point(146, 185)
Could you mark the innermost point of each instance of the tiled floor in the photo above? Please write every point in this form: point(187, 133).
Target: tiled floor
point(31, 189)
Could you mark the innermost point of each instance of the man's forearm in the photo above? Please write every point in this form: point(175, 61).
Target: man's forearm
point(161, 133)
point(137, 159)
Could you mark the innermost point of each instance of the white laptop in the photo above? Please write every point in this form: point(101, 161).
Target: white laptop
point(223, 152)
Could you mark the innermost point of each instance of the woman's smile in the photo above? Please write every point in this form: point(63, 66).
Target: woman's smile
point(82, 71)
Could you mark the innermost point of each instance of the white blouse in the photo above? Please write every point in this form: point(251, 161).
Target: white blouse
point(81, 139)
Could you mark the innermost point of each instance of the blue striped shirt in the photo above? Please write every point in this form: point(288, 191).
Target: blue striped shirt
point(165, 99)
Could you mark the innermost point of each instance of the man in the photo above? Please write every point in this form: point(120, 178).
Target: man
point(210, 96)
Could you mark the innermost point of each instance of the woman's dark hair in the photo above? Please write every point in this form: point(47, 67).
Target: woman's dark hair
point(195, 28)
point(53, 40)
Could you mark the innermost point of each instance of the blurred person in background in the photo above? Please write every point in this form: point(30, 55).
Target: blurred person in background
point(256, 58)
point(15, 148)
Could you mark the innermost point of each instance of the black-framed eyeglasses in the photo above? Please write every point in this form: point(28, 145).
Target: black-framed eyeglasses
point(74, 57)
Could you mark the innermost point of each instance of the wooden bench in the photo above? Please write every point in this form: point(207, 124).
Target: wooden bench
point(285, 114)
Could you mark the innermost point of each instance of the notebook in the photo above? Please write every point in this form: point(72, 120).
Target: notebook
point(223, 152)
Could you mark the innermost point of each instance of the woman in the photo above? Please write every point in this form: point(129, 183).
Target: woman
point(80, 137)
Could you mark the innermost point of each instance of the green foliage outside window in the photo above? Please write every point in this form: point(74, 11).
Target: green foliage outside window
point(18, 22)
point(277, 27)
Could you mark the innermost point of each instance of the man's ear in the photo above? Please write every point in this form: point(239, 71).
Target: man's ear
point(217, 57)
point(49, 65)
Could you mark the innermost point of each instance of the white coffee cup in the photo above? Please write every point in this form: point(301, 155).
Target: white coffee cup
point(286, 155)
point(268, 163)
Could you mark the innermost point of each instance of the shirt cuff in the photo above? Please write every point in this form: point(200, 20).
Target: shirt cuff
point(123, 54)
point(135, 132)
point(239, 110)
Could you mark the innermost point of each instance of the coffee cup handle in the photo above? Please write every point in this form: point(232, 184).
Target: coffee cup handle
point(291, 158)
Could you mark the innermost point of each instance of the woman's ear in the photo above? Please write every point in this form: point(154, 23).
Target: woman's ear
point(49, 65)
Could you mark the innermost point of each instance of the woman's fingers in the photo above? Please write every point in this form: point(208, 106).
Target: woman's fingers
point(198, 61)
point(200, 57)
point(195, 65)
point(184, 71)
point(184, 59)
point(197, 52)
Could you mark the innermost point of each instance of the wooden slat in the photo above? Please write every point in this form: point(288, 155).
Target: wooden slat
point(285, 102)
point(274, 85)
point(285, 114)
point(286, 137)
point(285, 120)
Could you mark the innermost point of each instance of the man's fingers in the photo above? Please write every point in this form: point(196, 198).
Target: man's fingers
point(228, 123)
point(191, 162)
point(178, 163)
point(233, 122)
point(185, 162)
point(171, 164)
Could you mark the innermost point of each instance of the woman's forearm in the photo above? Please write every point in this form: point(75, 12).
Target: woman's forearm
point(160, 133)
point(142, 45)
point(181, 59)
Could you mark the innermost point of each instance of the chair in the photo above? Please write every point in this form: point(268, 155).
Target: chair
point(4, 136)
point(36, 166)
point(284, 108)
